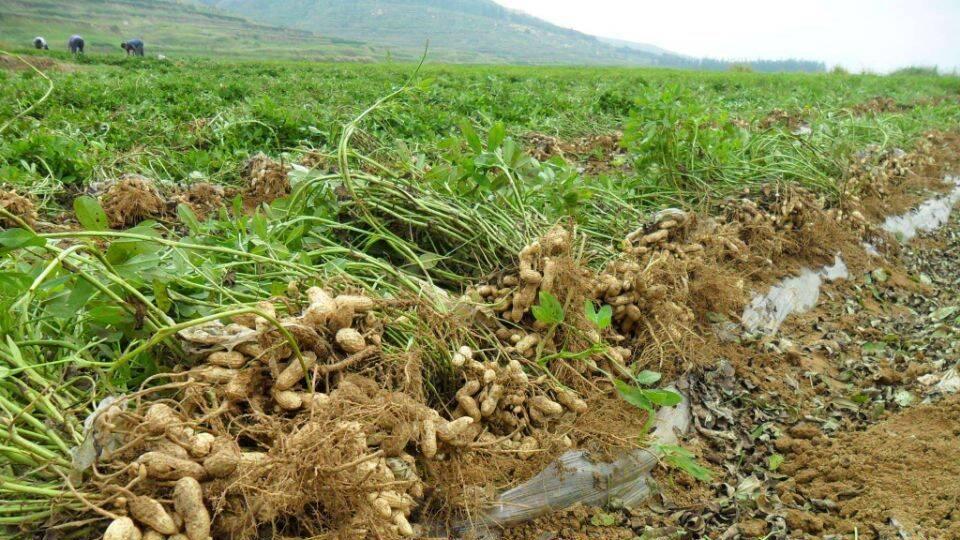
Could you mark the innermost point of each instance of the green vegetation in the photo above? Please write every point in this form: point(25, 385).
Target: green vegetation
point(170, 27)
point(463, 31)
point(468, 31)
point(434, 187)
point(179, 121)
point(458, 30)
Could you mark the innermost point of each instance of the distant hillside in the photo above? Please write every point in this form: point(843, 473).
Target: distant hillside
point(168, 27)
point(645, 47)
point(458, 30)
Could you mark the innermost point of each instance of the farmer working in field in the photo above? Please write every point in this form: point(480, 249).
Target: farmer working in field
point(40, 43)
point(75, 44)
point(134, 47)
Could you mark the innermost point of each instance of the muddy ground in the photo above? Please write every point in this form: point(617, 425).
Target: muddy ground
point(844, 425)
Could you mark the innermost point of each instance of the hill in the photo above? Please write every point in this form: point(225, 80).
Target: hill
point(645, 47)
point(168, 27)
point(458, 30)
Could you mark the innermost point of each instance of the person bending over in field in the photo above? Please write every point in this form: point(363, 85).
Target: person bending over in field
point(40, 43)
point(75, 44)
point(134, 47)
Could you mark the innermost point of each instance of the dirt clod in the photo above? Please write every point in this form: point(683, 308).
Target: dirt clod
point(266, 181)
point(18, 205)
point(132, 199)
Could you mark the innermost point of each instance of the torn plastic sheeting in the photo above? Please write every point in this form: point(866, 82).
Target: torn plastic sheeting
point(573, 478)
point(930, 215)
point(793, 295)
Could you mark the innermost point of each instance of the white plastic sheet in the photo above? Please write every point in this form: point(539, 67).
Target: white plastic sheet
point(931, 215)
point(575, 478)
point(766, 313)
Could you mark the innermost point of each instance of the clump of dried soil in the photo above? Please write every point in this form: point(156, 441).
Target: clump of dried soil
point(899, 476)
point(595, 153)
point(781, 117)
point(132, 199)
point(203, 198)
point(44, 64)
point(19, 206)
point(266, 180)
point(877, 105)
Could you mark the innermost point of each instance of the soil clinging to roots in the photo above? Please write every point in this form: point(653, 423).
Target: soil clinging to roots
point(18, 205)
point(132, 199)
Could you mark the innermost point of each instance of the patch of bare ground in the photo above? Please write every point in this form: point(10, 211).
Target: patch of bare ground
point(596, 154)
point(12, 63)
point(898, 478)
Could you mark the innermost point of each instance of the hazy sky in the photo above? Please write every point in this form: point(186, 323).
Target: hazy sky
point(859, 34)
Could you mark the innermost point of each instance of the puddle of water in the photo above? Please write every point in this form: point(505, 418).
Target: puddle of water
point(793, 295)
point(931, 215)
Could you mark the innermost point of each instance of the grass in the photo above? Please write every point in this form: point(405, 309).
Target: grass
point(432, 188)
point(169, 27)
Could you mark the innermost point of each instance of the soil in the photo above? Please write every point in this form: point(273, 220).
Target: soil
point(132, 199)
point(898, 476)
point(841, 426)
point(595, 154)
point(20, 206)
point(12, 63)
point(266, 181)
point(203, 198)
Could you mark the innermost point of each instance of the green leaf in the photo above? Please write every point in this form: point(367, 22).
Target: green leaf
point(122, 250)
point(873, 347)
point(14, 284)
point(549, 311)
point(647, 377)
point(80, 294)
point(473, 140)
point(258, 226)
point(496, 136)
point(237, 205)
point(161, 295)
point(603, 519)
point(188, 218)
point(633, 395)
point(944, 312)
point(774, 462)
point(682, 459)
point(590, 311)
point(109, 315)
point(90, 214)
point(664, 398)
point(13, 239)
point(601, 319)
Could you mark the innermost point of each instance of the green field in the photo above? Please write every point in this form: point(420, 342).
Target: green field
point(170, 28)
point(108, 106)
point(404, 182)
